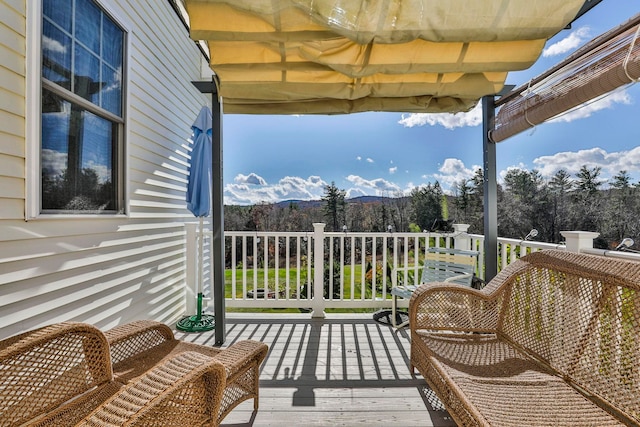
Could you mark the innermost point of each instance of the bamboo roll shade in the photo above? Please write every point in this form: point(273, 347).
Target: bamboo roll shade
point(607, 63)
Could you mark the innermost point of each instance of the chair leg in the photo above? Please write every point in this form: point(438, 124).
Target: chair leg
point(394, 304)
point(394, 310)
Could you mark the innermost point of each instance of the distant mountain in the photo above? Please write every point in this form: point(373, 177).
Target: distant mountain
point(317, 203)
point(368, 199)
point(302, 204)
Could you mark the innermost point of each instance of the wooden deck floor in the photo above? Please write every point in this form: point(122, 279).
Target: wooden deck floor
point(345, 370)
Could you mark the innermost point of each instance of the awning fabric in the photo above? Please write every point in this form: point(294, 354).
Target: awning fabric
point(345, 56)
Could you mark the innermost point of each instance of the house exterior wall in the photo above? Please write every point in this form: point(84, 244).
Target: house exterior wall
point(104, 271)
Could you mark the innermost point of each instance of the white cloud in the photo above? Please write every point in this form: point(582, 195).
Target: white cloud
point(572, 161)
point(53, 162)
point(503, 173)
point(51, 45)
point(370, 160)
point(288, 188)
point(572, 41)
point(447, 120)
point(252, 179)
point(586, 110)
point(393, 170)
point(373, 187)
point(359, 158)
point(453, 171)
point(354, 192)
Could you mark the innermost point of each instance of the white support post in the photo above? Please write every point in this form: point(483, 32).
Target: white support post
point(191, 268)
point(462, 240)
point(578, 240)
point(318, 270)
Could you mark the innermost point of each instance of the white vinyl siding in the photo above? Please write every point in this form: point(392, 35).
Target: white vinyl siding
point(104, 271)
point(12, 109)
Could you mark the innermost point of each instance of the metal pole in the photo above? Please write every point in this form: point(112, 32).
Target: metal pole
point(217, 219)
point(490, 190)
point(217, 201)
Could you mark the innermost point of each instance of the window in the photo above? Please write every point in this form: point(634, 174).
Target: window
point(82, 124)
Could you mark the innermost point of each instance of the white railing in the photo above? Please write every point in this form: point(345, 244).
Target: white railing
point(510, 250)
point(278, 269)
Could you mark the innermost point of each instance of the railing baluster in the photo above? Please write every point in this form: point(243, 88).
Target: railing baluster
point(342, 267)
point(234, 261)
point(348, 255)
point(353, 268)
point(287, 271)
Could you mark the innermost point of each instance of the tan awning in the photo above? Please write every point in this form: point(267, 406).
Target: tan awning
point(345, 56)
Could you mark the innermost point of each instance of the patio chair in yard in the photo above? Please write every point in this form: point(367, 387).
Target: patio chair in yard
point(440, 265)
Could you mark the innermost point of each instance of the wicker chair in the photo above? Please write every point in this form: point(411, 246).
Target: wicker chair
point(552, 340)
point(140, 346)
point(61, 375)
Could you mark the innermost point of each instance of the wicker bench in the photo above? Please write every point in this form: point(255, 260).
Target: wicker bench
point(61, 375)
point(138, 347)
point(552, 340)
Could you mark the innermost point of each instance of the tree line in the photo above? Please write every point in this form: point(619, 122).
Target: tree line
point(526, 200)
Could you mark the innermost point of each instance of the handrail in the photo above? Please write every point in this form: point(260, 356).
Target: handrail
point(339, 270)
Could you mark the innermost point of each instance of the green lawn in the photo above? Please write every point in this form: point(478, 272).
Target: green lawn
point(356, 272)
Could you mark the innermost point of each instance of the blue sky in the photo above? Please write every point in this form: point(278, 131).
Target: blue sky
point(276, 158)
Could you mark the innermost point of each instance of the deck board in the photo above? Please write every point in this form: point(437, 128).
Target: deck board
point(344, 370)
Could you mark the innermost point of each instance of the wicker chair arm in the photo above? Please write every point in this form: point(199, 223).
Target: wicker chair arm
point(184, 391)
point(133, 338)
point(235, 357)
point(447, 306)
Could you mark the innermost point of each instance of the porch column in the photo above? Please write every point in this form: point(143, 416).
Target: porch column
point(217, 208)
point(217, 219)
point(490, 190)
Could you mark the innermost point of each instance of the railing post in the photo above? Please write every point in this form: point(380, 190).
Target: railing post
point(461, 239)
point(191, 268)
point(578, 240)
point(318, 270)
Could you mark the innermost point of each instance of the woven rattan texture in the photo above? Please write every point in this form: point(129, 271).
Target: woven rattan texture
point(182, 402)
point(42, 369)
point(62, 375)
point(127, 339)
point(550, 320)
point(142, 345)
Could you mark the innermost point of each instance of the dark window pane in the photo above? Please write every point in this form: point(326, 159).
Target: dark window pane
point(59, 11)
point(112, 45)
point(112, 90)
point(87, 75)
point(88, 25)
point(56, 55)
point(77, 158)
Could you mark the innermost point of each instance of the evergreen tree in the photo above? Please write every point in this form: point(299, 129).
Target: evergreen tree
point(334, 206)
point(559, 188)
point(587, 199)
point(621, 216)
point(426, 205)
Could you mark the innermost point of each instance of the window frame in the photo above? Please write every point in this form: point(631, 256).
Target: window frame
point(35, 83)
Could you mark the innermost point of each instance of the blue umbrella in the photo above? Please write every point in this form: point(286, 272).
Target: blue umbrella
point(199, 185)
point(199, 203)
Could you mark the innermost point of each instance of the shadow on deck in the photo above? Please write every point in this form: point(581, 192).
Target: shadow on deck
point(344, 370)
